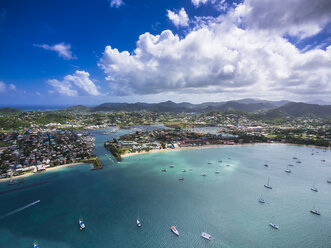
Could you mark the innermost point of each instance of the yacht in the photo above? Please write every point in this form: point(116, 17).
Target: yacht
point(171, 166)
point(290, 165)
point(288, 170)
point(174, 230)
point(138, 223)
point(81, 224)
point(35, 245)
point(217, 172)
point(314, 211)
point(273, 225)
point(313, 188)
point(266, 165)
point(164, 170)
point(206, 236)
point(181, 178)
point(203, 174)
point(295, 158)
point(298, 162)
point(183, 170)
point(268, 185)
point(228, 165)
point(261, 200)
point(329, 181)
point(323, 160)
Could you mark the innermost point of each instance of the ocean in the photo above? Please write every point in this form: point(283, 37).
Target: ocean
point(224, 205)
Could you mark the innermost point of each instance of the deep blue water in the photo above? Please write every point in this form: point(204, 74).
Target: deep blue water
point(224, 204)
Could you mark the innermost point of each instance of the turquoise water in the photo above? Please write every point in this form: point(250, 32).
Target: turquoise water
point(224, 204)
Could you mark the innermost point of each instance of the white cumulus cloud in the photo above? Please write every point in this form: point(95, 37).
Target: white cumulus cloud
point(73, 85)
point(229, 56)
point(116, 3)
point(196, 3)
point(62, 49)
point(179, 19)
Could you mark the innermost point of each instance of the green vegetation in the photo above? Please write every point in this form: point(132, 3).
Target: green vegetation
point(97, 165)
point(116, 152)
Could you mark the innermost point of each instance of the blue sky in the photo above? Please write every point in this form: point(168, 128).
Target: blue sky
point(90, 52)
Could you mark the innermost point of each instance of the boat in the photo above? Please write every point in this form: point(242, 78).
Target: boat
point(298, 162)
point(138, 223)
point(206, 235)
point(174, 230)
point(268, 185)
point(266, 165)
point(313, 188)
point(217, 172)
point(183, 170)
point(81, 224)
point(209, 162)
point(181, 178)
point(203, 174)
point(273, 225)
point(328, 181)
point(228, 165)
point(288, 170)
point(314, 211)
point(164, 170)
point(323, 160)
point(220, 161)
point(261, 200)
point(35, 245)
point(171, 166)
point(290, 165)
point(190, 169)
point(295, 158)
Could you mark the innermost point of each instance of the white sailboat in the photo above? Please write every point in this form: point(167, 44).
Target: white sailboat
point(273, 225)
point(174, 230)
point(138, 222)
point(313, 188)
point(268, 185)
point(206, 236)
point(288, 170)
point(261, 200)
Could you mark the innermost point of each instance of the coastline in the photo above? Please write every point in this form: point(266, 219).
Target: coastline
point(212, 146)
point(46, 170)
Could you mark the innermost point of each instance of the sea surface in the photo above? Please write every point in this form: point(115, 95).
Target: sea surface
point(225, 204)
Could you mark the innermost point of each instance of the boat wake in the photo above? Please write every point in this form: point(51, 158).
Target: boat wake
point(19, 209)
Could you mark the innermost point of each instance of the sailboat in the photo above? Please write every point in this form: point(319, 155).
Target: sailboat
point(313, 188)
point(315, 211)
point(273, 225)
point(261, 200)
point(174, 230)
point(288, 170)
point(138, 222)
point(181, 178)
point(268, 185)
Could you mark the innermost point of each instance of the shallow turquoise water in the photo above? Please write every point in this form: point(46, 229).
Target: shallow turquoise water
point(225, 204)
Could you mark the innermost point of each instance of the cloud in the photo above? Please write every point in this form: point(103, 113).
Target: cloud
point(5, 88)
point(179, 19)
point(63, 49)
point(196, 3)
point(300, 18)
point(73, 85)
point(116, 3)
point(218, 58)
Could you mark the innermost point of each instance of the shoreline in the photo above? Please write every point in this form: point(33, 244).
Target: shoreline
point(213, 146)
point(53, 168)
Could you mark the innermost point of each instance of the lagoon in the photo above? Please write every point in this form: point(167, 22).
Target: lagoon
point(225, 204)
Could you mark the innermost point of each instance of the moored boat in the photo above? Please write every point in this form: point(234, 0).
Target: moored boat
point(164, 170)
point(206, 236)
point(261, 200)
point(273, 225)
point(288, 170)
point(181, 178)
point(313, 188)
point(268, 185)
point(174, 230)
point(203, 174)
point(217, 172)
point(81, 224)
point(314, 211)
point(138, 223)
point(35, 245)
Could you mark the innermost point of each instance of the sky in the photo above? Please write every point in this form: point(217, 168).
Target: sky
point(88, 52)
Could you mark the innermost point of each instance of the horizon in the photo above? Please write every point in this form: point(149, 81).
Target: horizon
point(125, 51)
